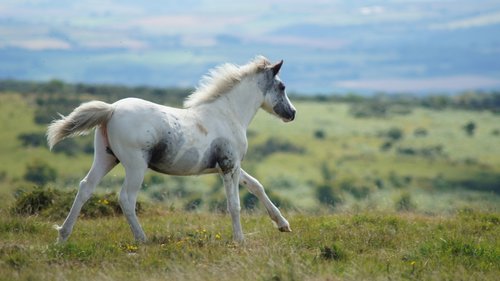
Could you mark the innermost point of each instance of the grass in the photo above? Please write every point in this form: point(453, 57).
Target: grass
point(351, 148)
point(16, 117)
point(197, 246)
point(446, 228)
point(467, 176)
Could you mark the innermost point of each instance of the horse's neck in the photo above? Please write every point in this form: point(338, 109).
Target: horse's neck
point(241, 103)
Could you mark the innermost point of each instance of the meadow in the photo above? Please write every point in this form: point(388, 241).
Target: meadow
point(197, 246)
point(412, 193)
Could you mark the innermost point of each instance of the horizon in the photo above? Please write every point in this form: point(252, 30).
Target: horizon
point(17, 86)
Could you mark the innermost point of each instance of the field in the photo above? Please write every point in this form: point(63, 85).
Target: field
point(413, 194)
point(197, 246)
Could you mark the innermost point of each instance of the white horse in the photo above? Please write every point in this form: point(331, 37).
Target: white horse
point(207, 136)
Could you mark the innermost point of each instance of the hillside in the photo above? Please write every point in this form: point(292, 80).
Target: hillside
point(348, 154)
point(374, 188)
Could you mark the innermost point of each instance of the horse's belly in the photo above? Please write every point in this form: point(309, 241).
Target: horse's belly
point(188, 162)
point(175, 171)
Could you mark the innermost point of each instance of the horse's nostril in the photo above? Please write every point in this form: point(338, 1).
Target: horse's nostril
point(292, 115)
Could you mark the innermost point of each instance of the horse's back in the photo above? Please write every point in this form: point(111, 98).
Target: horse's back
point(140, 106)
point(171, 140)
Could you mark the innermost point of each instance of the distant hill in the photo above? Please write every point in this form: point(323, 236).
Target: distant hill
point(328, 47)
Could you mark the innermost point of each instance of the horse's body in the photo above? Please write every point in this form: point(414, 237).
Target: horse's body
point(173, 141)
point(207, 136)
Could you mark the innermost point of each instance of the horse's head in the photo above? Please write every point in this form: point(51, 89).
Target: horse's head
point(276, 101)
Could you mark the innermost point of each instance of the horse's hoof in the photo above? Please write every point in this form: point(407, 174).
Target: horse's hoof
point(285, 228)
point(62, 235)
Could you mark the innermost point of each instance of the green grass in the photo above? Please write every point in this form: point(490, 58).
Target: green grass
point(16, 117)
point(197, 246)
point(350, 148)
point(446, 228)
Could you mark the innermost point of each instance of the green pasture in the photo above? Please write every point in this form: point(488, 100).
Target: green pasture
point(324, 138)
point(410, 196)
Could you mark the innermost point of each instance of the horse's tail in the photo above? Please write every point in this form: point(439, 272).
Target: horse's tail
point(83, 119)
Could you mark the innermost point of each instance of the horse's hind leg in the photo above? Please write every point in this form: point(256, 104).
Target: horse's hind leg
point(256, 188)
point(135, 168)
point(103, 163)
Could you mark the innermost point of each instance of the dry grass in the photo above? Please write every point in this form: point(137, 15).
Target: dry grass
point(192, 246)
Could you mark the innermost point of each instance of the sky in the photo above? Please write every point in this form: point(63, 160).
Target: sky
point(328, 46)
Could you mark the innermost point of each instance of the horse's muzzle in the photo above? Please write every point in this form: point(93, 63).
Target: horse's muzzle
point(286, 113)
point(292, 115)
point(289, 116)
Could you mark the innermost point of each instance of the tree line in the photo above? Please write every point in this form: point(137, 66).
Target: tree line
point(60, 91)
point(400, 103)
point(378, 104)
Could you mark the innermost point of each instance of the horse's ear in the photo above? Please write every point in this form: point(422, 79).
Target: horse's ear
point(276, 67)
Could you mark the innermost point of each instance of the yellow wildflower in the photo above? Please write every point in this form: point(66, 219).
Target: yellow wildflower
point(132, 248)
point(103, 201)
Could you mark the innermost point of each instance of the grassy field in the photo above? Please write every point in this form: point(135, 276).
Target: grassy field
point(351, 149)
point(413, 196)
point(443, 164)
point(197, 246)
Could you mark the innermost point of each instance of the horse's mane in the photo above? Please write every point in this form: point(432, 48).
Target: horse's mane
point(222, 79)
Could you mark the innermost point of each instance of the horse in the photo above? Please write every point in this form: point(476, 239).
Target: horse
point(207, 135)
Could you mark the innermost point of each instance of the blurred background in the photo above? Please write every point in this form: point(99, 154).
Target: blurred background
point(398, 101)
point(328, 46)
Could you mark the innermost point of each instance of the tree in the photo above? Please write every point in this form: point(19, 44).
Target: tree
point(470, 128)
point(40, 172)
point(395, 134)
point(327, 195)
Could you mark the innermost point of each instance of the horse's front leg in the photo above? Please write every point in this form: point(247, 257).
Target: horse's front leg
point(256, 188)
point(230, 179)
